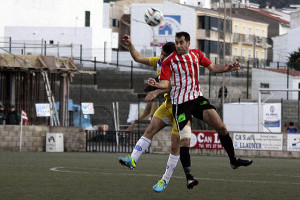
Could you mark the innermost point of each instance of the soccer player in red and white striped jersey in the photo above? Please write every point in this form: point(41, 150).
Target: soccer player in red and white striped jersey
point(180, 73)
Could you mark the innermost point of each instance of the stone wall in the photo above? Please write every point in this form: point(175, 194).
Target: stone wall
point(161, 143)
point(34, 138)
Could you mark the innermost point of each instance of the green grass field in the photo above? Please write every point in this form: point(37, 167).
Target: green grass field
point(100, 176)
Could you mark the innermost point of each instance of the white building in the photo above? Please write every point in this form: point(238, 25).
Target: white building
point(200, 3)
point(289, 42)
point(57, 21)
point(177, 18)
point(275, 79)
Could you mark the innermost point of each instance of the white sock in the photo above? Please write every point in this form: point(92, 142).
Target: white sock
point(140, 148)
point(171, 165)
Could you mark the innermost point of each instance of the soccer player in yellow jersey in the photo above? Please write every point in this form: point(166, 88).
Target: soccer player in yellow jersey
point(162, 117)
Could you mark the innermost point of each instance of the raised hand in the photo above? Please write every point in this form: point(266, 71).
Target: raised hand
point(126, 39)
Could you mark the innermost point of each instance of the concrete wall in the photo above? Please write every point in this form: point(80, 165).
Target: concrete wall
point(161, 143)
point(34, 138)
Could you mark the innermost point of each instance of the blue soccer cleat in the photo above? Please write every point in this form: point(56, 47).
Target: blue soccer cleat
point(128, 162)
point(160, 186)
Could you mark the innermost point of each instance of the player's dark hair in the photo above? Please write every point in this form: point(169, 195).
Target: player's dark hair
point(185, 34)
point(169, 47)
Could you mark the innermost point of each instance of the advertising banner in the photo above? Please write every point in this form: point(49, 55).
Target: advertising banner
point(272, 117)
point(256, 141)
point(87, 108)
point(205, 140)
point(42, 109)
point(293, 142)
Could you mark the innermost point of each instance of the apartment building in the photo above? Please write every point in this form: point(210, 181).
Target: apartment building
point(249, 40)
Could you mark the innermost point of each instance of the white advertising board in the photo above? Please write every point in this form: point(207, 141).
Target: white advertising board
point(293, 142)
point(87, 108)
point(42, 109)
point(256, 141)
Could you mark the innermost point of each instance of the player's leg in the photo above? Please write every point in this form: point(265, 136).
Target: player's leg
point(171, 164)
point(212, 118)
point(185, 157)
point(158, 122)
point(182, 117)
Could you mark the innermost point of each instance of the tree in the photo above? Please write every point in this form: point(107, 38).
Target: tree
point(294, 60)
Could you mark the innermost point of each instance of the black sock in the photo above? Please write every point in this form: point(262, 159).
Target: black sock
point(185, 159)
point(226, 141)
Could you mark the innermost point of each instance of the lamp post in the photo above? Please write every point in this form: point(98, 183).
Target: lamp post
point(154, 50)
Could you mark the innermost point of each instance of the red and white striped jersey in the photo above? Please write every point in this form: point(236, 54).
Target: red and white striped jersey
point(183, 73)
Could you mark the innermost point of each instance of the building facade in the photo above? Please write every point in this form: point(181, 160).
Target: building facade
point(285, 44)
point(249, 41)
point(56, 21)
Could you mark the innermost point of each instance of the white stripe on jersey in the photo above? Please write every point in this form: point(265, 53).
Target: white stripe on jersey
point(184, 87)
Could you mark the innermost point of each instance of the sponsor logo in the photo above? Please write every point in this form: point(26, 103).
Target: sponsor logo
point(203, 103)
point(170, 26)
point(272, 109)
point(51, 138)
point(181, 118)
point(138, 147)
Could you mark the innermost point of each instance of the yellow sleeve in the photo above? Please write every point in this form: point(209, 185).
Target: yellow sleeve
point(153, 61)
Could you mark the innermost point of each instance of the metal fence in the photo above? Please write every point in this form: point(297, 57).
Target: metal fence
point(112, 141)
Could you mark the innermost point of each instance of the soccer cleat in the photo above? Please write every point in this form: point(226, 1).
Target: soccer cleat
point(240, 162)
point(128, 162)
point(160, 186)
point(191, 182)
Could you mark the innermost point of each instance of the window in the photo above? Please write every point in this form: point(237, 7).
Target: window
point(236, 28)
point(250, 31)
point(244, 30)
point(262, 33)
point(249, 53)
point(265, 85)
point(115, 23)
point(51, 42)
point(257, 32)
point(263, 55)
point(256, 54)
point(235, 51)
point(87, 18)
point(243, 52)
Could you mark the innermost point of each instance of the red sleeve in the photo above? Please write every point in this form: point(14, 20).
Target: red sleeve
point(165, 70)
point(203, 61)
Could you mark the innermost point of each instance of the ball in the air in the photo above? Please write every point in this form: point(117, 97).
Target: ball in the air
point(153, 17)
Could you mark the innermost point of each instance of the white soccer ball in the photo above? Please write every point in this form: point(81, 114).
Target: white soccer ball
point(153, 17)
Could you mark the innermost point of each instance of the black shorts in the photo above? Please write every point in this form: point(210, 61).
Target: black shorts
point(184, 112)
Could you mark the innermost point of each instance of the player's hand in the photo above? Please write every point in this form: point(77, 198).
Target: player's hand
point(151, 95)
point(151, 82)
point(126, 39)
point(233, 66)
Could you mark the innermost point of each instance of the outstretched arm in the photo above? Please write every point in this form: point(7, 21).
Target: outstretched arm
point(163, 84)
point(137, 57)
point(215, 68)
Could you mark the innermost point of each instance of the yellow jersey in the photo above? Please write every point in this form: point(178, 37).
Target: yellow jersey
point(155, 62)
